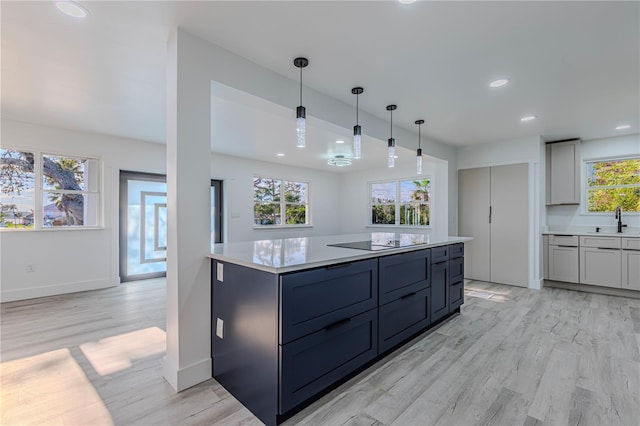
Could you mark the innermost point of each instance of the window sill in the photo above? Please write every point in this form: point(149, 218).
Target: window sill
point(270, 227)
point(57, 229)
point(401, 226)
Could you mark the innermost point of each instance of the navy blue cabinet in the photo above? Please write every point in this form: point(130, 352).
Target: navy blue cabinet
point(312, 363)
point(402, 274)
point(456, 295)
point(439, 290)
point(311, 300)
point(439, 254)
point(402, 318)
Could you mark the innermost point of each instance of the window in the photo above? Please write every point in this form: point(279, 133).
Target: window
point(274, 199)
point(612, 183)
point(403, 202)
point(42, 191)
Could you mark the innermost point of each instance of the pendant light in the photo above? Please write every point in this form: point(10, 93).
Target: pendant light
point(301, 114)
point(419, 151)
point(357, 130)
point(391, 154)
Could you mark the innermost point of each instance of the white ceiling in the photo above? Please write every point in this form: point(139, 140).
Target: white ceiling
point(575, 65)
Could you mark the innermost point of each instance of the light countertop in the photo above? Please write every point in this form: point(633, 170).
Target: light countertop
point(294, 254)
point(590, 231)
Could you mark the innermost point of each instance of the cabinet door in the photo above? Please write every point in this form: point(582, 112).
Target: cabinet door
point(564, 172)
point(439, 290)
point(599, 266)
point(631, 269)
point(563, 264)
point(402, 274)
point(473, 212)
point(314, 362)
point(402, 319)
point(456, 269)
point(510, 224)
point(456, 295)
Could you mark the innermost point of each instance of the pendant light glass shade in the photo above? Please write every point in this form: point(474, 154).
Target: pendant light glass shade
point(419, 151)
point(301, 113)
point(357, 130)
point(391, 151)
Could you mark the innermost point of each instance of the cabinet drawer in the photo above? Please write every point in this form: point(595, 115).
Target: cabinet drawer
point(563, 240)
point(311, 300)
point(314, 362)
point(402, 274)
point(403, 318)
point(456, 269)
point(456, 295)
point(630, 243)
point(456, 250)
point(600, 242)
point(438, 254)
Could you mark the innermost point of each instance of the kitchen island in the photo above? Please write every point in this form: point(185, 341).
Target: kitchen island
point(293, 318)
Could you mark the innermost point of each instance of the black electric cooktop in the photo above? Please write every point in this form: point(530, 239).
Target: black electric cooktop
point(371, 246)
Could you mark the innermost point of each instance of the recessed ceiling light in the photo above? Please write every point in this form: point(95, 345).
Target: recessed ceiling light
point(71, 8)
point(339, 160)
point(395, 156)
point(407, 1)
point(623, 127)
point(528, 118)
point(499, 83)
point(280, 154)
point(339, 141)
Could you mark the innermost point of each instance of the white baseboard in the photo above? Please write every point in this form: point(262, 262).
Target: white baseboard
point(536, 284)
point(55, 289)
point(184, 378)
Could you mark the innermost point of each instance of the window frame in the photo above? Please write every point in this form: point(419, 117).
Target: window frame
point(39, 192)
point(283, 204)
point(585, 184)
point(398, 203)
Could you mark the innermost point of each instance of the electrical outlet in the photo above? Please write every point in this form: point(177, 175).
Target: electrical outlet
point(220, 272)
point(30, 268)
point(220, 328)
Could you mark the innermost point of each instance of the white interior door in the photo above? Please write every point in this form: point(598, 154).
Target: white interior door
point(510, 224)
point(473, 216)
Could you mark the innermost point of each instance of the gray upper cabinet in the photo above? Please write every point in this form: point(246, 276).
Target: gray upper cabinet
point(563, 172)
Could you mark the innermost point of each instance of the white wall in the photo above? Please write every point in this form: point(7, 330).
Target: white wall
point(68, 260)
point(237, 175)
point(354, 198)
point(565, 216)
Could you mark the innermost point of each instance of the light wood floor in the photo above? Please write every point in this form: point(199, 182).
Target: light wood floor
point(521, 357)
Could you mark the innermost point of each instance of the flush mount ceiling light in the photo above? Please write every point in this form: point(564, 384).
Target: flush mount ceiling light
point(391, 143)
point(73, 9)
point(419, 151)
point(407, 1)
point(301, 113)
point(499, 83)
point(339, 161)
point(528, 118)
point(280, 154)
point(357, 130)
point(339, 141)
point(623, 127)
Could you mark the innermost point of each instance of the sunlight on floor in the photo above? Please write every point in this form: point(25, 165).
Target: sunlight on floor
point(117, 353)
point(46, 389)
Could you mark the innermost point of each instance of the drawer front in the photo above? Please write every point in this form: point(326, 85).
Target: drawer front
point(311, 300)
point(314, 362)
point(402, 274)
point(456, 295)
point(402, 319)
point(456, 250)
point(631, 243)
point(438, 254)
point(456, 269)
point(600, 242)
point(563, 240)
point(439, 290)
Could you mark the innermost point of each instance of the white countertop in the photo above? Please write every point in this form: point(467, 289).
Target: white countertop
point(591, 231)
point(294, 254)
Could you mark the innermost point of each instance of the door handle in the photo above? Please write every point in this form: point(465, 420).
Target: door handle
point(406, 296)
point(337, 324)
point(490, 213)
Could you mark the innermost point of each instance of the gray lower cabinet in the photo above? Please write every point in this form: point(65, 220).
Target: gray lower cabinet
point(631, 269)
point(600, 266)
point(563, 264)
point(280, 340)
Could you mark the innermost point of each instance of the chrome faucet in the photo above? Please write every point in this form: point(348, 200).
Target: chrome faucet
point(619, 217)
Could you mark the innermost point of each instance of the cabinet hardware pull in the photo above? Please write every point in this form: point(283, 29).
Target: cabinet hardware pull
point(406, 296)
point(607, 248)
point(490, 213)
point(337, 323)
point(340, 265)
point(566, 246)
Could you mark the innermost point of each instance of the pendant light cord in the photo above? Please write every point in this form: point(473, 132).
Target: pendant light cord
point(300, 85)
point(419, 125)
point(391, 124)
point(357, 108)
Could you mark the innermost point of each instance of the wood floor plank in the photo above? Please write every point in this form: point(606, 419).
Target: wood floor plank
point(519, 357)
